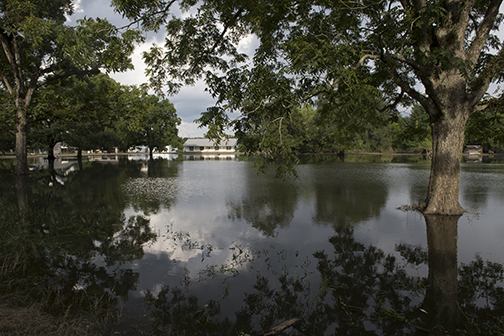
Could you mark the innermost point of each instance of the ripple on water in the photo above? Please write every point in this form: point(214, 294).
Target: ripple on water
point(153, 188)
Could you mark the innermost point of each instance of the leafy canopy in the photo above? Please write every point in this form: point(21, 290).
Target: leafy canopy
point(358, 61)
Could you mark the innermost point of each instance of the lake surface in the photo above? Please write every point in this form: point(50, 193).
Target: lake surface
point(207, 246)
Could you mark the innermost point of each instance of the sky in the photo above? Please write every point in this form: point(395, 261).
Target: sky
point(189, 102)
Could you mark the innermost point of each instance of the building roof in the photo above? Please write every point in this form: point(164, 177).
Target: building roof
point(210, 143)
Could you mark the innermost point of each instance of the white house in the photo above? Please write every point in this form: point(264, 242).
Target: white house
point(209, 146)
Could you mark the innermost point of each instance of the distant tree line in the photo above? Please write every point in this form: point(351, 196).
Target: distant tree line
point(98, 113)
point(307, 131)
point(94, 113)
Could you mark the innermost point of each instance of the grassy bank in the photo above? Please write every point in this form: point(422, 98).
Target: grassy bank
point(17, 319)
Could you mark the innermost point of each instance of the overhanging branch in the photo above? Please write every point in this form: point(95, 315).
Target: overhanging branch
point(6, 82)
point(482, 82)
point(396, 102)
point(162, 11)
point(483, 31)
point(405, 87)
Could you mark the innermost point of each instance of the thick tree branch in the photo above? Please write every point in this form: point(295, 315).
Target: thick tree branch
point(480, 107)
point(396, 102)
point(17, 68)
point(485, 77)
point(405, 87)
point(6, 83)
point(10, 58)
point(474, 50)
point(407, 61)
point(364, 58)
point(405, 4)
point(419, 4)
point(32, 87)
point(464, 16)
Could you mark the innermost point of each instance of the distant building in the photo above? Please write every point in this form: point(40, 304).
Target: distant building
point(209, 146)
point(473, 149)
point(138, 149)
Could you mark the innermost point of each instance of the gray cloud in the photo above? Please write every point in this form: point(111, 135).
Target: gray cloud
point(189, 103)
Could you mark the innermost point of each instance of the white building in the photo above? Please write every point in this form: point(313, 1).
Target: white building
point(209, 146)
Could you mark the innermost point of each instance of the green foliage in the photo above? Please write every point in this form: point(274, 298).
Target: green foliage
point(147, 120)
point(77, 110)
point(39, 48)
point(487, 127)
point(98, 113)
point(413, 132)
point(50, 245)
point(355, 61)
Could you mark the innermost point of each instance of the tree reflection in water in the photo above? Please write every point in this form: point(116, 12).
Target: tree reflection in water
point(363, 291)
point(65, 237)
point(73, 239)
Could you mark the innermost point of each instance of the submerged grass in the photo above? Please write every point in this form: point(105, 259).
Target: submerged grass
point(23, 311)
point(16, 319)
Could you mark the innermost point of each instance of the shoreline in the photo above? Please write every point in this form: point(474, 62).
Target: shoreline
point(12, 156)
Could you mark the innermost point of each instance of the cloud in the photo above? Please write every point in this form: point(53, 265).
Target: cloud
point(248, 45)
point(190, 130)
point(189, 102)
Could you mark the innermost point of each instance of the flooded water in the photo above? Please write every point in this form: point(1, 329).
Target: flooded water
point(201, 246)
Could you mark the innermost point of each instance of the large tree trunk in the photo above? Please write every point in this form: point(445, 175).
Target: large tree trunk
point(21, 151)
point(444, 181)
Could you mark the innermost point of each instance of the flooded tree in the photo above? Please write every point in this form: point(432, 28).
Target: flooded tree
point(148, 120)
point(361, 59)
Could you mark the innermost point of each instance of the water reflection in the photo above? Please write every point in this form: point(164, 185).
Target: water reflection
point(154, 188)
point(73, 223)
point(441, 304)
point(212, 248)
point(211, 157)
point(267, 203)
point(346, 194)
point(363, 291)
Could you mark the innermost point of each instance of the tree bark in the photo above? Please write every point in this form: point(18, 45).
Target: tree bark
point(444, 180)
point(21, 150)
